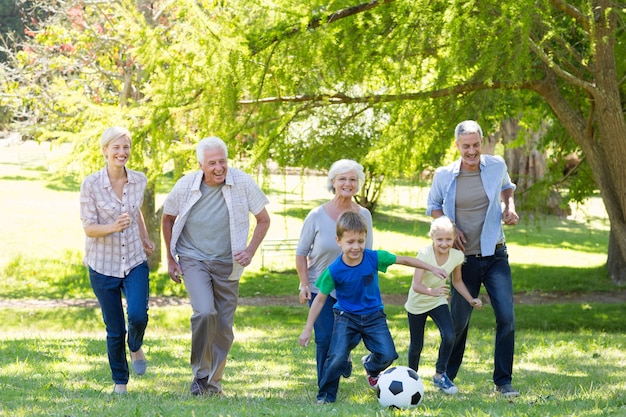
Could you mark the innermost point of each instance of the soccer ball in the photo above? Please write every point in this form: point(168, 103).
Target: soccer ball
point(400, 387)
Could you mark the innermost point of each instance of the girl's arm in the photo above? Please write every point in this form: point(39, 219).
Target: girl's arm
point(459, 285)
point(314, 312)
point(420, 288)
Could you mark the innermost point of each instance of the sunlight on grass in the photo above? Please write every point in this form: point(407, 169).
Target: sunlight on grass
point(51, 372)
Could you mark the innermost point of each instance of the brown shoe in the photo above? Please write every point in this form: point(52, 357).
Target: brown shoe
point(200, 386)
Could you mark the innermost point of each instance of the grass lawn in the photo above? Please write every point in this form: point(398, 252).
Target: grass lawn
point(53, 363)
point(569, 357)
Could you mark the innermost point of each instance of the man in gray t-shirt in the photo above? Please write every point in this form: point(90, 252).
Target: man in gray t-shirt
point(206, 221)
point(476, 192)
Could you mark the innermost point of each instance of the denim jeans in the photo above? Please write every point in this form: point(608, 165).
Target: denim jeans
point(135, 287)
point(348, 331)
point(417, 322)
point(494, 273)
point(323, 330)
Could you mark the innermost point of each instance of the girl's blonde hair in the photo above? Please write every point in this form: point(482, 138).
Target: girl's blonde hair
point(442, 223)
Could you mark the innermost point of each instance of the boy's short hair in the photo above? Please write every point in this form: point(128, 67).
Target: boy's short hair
point(442, 223)
point(350, 221)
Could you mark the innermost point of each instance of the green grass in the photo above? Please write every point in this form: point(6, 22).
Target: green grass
point(53, 363)
point(569, 357)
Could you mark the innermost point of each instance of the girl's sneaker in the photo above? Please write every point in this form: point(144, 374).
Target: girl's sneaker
point(445, 385)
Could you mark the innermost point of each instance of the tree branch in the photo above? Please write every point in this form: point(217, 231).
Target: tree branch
point(589, 87)
point(317, 22)
point(340, 98)
point(572, 12)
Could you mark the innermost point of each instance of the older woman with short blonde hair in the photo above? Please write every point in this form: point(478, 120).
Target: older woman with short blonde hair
point(117, 247)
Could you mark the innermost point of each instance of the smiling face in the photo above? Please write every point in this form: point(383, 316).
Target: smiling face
point(443, 240)
point(117, 151)
point(346, 184)
point(470, 146)
point(214, 166)
point(352, 245)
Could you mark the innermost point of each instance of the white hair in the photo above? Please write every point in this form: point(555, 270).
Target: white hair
point(212, 142)
point(467, 127)
point(341, 167)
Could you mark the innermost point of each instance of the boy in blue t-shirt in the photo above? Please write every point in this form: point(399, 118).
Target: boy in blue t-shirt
point(359, 311)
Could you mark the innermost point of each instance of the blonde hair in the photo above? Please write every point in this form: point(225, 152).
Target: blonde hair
point(114, 133)
point(341, 167)
point(442, 223)
point(350, 221)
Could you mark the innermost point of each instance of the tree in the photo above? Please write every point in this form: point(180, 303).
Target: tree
point(462, 59)
point(307, 82)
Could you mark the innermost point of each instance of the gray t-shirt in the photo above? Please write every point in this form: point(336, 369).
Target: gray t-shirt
point(206, 235)
point(317, 241)
point(471, 209)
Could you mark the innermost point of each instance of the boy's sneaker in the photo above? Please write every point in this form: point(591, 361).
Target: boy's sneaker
point(372, 381)
point(445, 385)
point(507, 390)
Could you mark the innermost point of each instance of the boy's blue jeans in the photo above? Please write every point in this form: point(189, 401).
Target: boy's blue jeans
point(348, 331)
point(135, 287)
point(494, 273)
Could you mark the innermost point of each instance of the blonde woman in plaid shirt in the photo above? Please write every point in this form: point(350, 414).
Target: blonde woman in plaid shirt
point(206, 221)
point(116, 251)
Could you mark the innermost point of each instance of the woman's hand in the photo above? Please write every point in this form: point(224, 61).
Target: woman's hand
point(305, 294)
point(305, 337)
point(148, 246)
point(122, 222)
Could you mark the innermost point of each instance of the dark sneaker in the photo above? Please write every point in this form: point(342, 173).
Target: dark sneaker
point(200, 386)
point(507, 390)
point(372, 381)
point(445, 385)
point(348, 370)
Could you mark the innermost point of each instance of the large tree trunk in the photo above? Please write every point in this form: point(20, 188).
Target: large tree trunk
point(152, 217)
point(601, 133)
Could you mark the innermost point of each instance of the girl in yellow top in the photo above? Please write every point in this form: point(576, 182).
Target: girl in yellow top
point(428, 297)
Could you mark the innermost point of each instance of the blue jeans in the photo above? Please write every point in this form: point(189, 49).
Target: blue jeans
point(136, 288)
point(417, 322)
point(323, 330)
point(494, 273)
point(348, 331)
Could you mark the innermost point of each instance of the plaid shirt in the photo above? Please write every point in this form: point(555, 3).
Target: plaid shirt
point(117, 253)
point(241, 195)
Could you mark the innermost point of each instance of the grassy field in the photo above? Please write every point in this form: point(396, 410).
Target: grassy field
point(569, 356)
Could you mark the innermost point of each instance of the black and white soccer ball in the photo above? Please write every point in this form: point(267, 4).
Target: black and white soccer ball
point(400, 387)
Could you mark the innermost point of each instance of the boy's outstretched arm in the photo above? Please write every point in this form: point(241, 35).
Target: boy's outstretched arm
point(418, 263)
point(314, 312)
